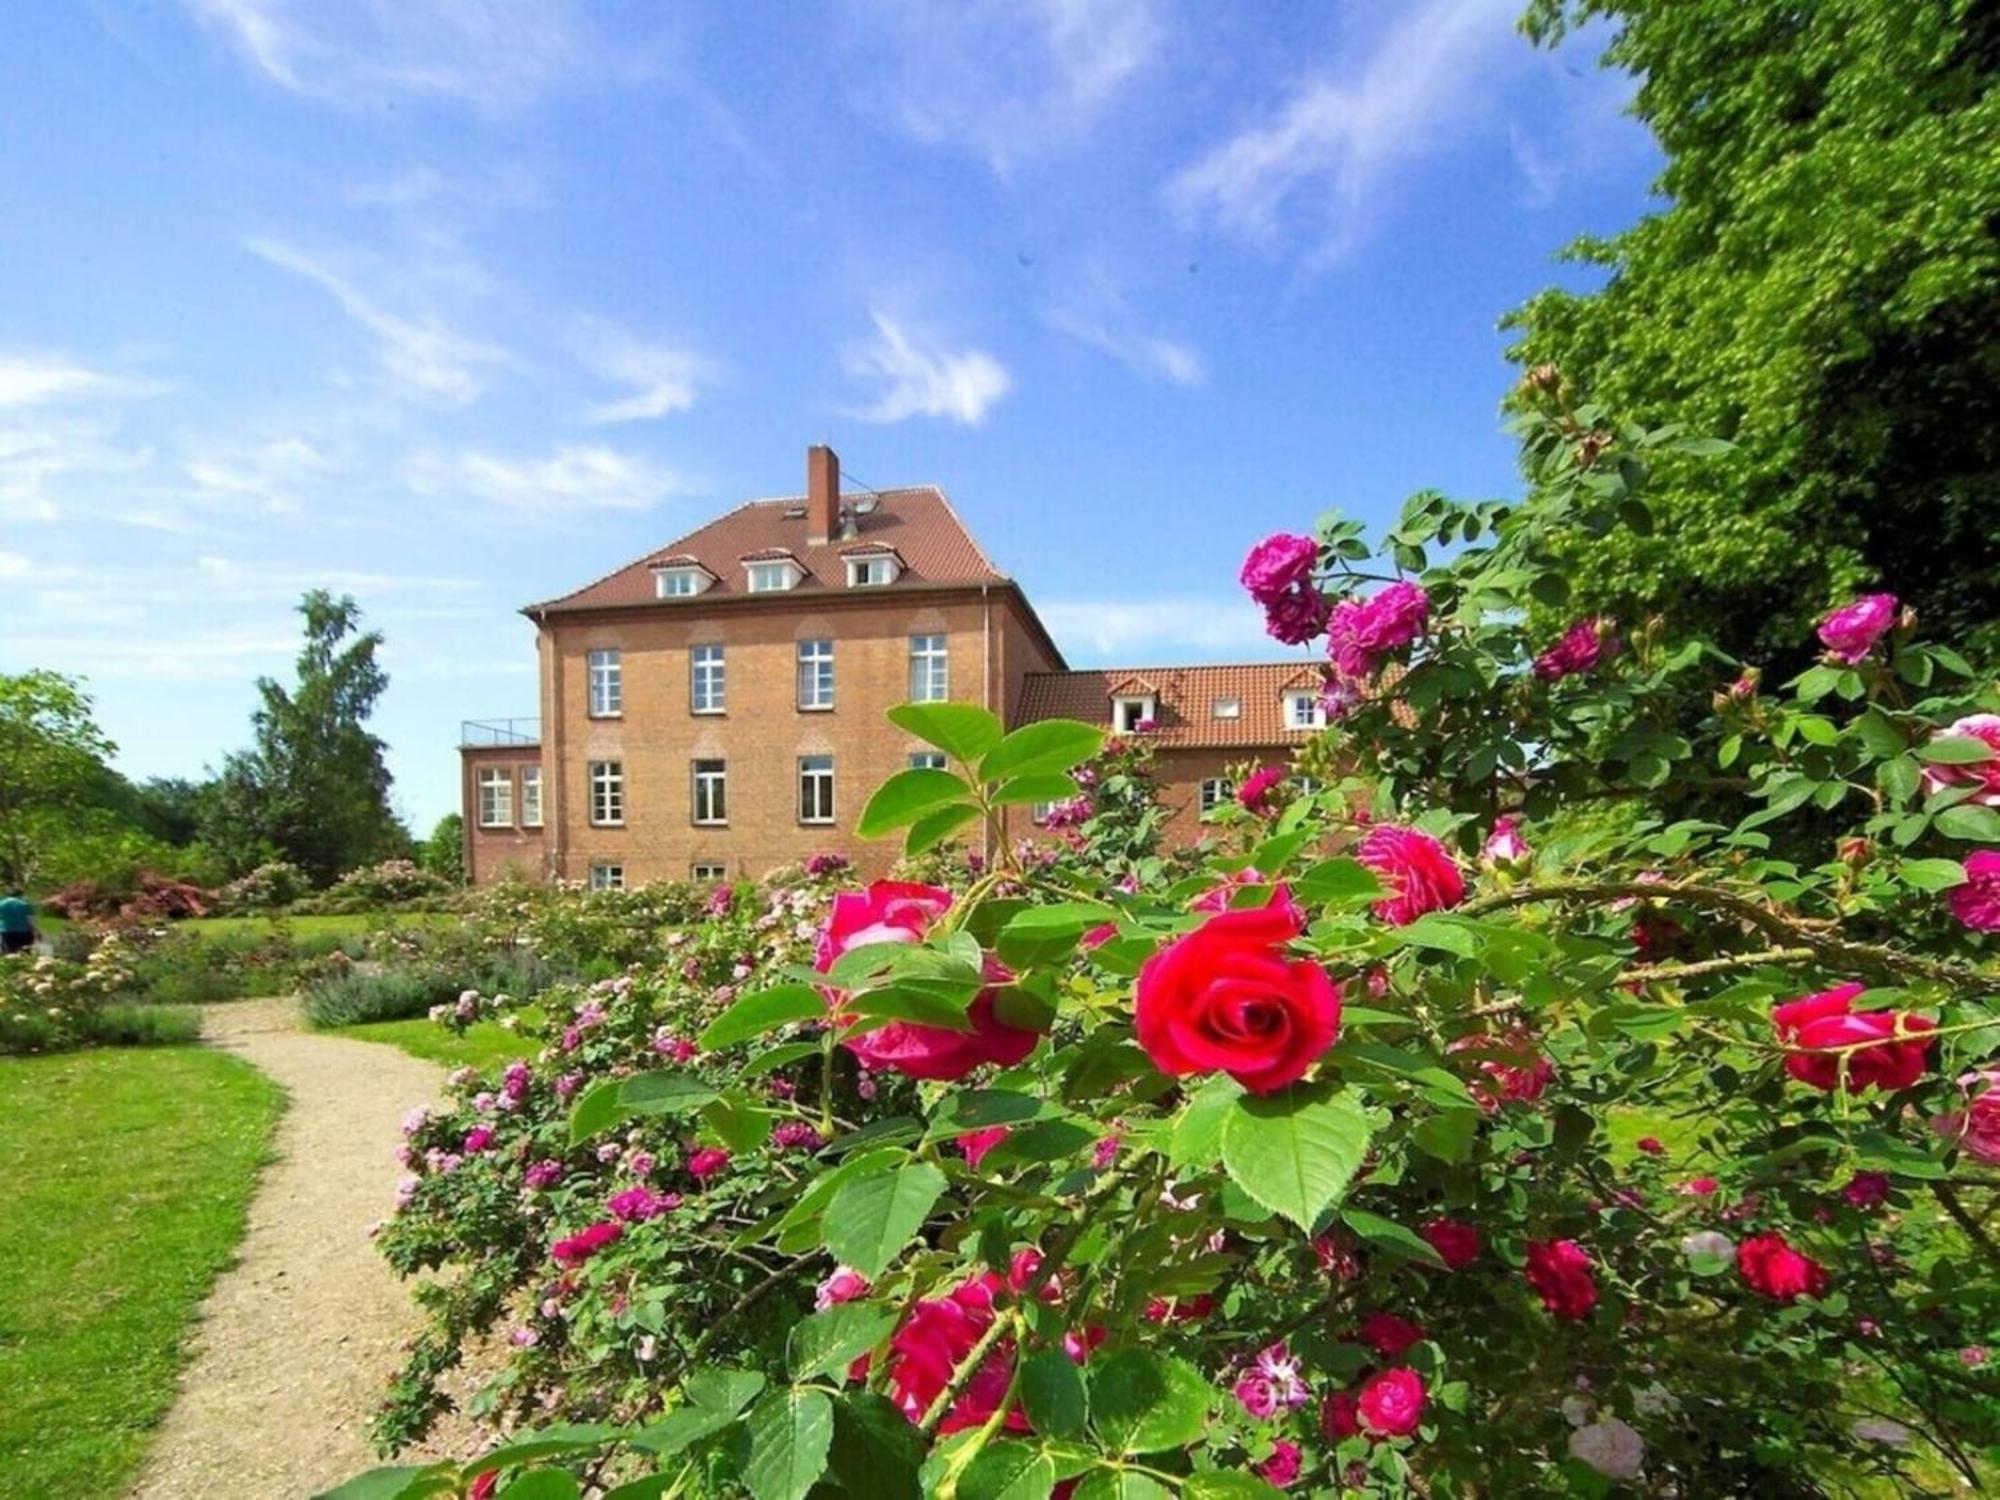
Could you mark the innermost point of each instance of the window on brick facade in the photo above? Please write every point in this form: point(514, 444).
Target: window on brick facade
point(930, 669)
point(607, 792)
point(1303, 711)
point(496, 797)
point(815, 674)
point(815, 788)
point(1127, 714)
point(605, 877)
point(607, 684)
point(705, 674)
point(711, 791)
point(707, 871)
point(927, 760)
point(772, 577)
point(678, 583)
point(531, 796)
point(1215, 791)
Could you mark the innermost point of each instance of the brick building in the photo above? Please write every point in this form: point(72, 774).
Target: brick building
point(716, 708)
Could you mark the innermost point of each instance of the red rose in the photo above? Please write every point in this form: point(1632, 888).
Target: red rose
point(1456, 1244)
point(1770, 1265)
point(1339, 1415)
point(1389, 1335)
point(1560, 1271)
point(1392, 1403)
point(934, 1338)
point(1512, 1065)
point(1225, 997)
point(1889, 1045)
point(1419, 871)
point(579, 1247)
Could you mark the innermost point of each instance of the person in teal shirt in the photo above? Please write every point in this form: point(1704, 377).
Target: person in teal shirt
point(17, 923)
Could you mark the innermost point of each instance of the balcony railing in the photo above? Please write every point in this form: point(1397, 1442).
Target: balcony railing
point(485, 734)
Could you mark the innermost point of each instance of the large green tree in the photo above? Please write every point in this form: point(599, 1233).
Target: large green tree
point(1821, 287)
point(313, 788)
point(51, 765)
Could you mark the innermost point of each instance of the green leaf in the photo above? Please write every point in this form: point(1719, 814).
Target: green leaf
point(737, 1123)
point(1448, 1135)
point(945, 1005)
point(596, 1109)
point(1228, 1484)
point(663, 1093)
point(830, 1340)
point(1045, 934)
point(1052, 1394)
point(876, 1449)
point(871, 1219)
point(1144, 1402)
point(1980, 825)
point(396, 1482)
point(1007, 1470)
point(1295, 1151)
point(543, 1484)
point(755, 1014)
point(1036, 786)
point(1388, 1235)
point(906, 797)
point(934, 827)
point(1340, 879)
point(1932, 874)
point(790, 1433)
point(1434, 931)
point(1955, 750)
point(682, 1429)
point(722, 1389)
point(1196, 1141)
point(962, 730)
point(1900, 778)
point(544, 1443)
point(1050, 745)
point(1120, 1484)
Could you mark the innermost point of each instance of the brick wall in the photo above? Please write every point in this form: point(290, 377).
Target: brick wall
point(511, 850)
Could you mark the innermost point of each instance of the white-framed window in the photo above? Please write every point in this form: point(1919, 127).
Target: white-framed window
point(605, 877)
point(1040, 812)
point(1303, 711)
point(1308, 785)
point(708, 870)
point(927, 760)
point(496, 797)
point(1216, 790)
point(1228, 708)
point(606, 670)
point(531, 796)
point(815, 674)
point(772, 577)
point(607, 793)
point(930, 669)
point(870, 572)
point(815, 788)
point(1129, 712)
point(679, 583)
point(705, 679)
point(711, 792)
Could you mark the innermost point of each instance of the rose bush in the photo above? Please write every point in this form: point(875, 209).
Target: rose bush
point(1589, 1081)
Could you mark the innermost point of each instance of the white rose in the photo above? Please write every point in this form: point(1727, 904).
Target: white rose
point(1709, 1242)
point(1609, 1446)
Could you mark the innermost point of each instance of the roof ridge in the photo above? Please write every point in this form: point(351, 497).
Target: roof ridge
point(1195, 666)
point(664, 549)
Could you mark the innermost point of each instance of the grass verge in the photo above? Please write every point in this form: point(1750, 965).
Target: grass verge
point(127, 1176)
point(484, 1045)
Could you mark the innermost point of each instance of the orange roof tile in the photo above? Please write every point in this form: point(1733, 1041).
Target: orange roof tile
point(1185, 717)
point(919, 524)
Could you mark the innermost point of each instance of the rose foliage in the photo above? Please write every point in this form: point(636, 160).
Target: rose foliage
point(1586, 1079)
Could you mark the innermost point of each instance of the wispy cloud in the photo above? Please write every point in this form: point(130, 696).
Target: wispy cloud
point(1007, 78)
point(34, 455)
point(659, 379)
point(921, 378)
point(1157, 629)
point(492, 55)
point(1099, 316)
point(274, 477)
point(416, 350)
point(570, 480)
point(41, 378)
point(1339, 138)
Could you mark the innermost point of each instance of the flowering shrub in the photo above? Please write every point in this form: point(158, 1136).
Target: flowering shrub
point(49, 1003)
point(1593, 1082)
point(272, 886)
point(393, 882)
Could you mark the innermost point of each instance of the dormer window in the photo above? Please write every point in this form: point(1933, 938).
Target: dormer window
point(872, 572)
point(772, 577)
point(680, 583)
point(1228, 708)
point(1303, 710)
point(1129, 711)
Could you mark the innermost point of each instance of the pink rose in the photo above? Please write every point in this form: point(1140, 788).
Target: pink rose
point(1389, 1335)
point(1866, 1190)
point(976, 1143)
point(1770, 1265)
point(940, 1332)
point(1984, 774)
point(1278, 564)
point(1391, 1403)
point(1511, 1067)
point(635, 1205)
point(1360, 633)
point(1504, 848)
point(888, 912)
point(1586, 644)
point(1419, 871)
point(1976, 903)
point(478, 1139)
point(1457, 1244)
point(1256, 790)
point(1975, 1129)
point(1281, 1469)
point(1339, 1416)
point(844, 1285)
point(706, 1162)
point(1889, 1046)
point(1851, 631)
point(579, 1247)
point(1292, 619)
point(1561, 1272)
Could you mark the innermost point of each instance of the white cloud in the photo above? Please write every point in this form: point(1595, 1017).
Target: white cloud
point(273, 477)
point(15, 565)
point(417, 351)
point(658, 378)
point(572, 479)
point(34, 455)
point(921, 379)
point(40, 378)
point(1339, 142)
point(1101, 317)
point(1007, 78)
point(493, 55)
point(1158, 629)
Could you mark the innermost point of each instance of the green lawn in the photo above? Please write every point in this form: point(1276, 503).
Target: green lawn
point(484, 1045)
point(314, 926)
point(126, 1178)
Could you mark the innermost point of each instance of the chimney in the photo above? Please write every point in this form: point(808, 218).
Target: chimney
point(822, 495)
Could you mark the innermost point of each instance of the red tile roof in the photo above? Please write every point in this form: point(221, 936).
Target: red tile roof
point(918, 524)
point(1185, 716)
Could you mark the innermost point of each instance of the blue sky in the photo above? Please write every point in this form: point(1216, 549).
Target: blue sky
point(456, 304)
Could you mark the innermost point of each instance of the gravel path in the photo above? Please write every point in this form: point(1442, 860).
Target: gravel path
point(294, 1344)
